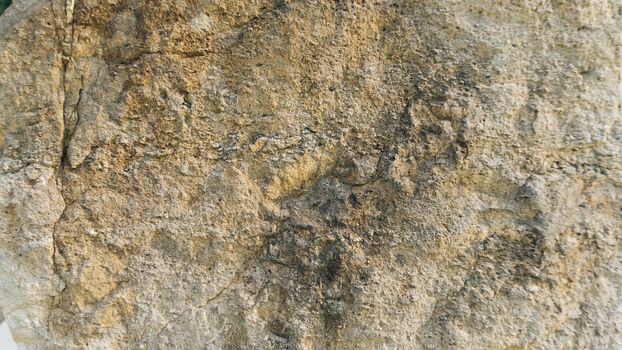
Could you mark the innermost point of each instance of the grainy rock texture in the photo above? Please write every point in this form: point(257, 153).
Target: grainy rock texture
point(328, 174)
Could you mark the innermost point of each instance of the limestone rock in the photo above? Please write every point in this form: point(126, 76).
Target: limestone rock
point(327, 174)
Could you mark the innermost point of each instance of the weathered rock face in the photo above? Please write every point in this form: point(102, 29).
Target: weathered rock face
point(277, 174)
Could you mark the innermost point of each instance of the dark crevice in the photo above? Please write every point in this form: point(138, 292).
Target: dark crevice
point(4, 4)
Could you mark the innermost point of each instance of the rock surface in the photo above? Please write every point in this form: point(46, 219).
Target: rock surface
point(329, 174)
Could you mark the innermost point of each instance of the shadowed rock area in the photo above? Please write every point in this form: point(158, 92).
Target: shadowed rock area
point(4, 4)
point(328, 174)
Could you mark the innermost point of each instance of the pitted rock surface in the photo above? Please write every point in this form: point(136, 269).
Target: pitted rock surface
point(328, 174)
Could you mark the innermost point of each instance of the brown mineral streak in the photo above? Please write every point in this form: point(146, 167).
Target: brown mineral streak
point(280, 174)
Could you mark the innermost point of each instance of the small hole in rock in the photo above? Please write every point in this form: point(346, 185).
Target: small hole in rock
point(4, 4)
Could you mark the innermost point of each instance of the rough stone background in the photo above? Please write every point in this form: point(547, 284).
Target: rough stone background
point(328, 174)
